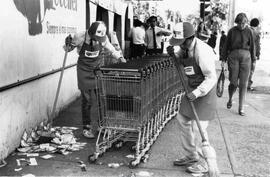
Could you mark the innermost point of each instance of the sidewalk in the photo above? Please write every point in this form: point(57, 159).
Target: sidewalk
point(247, 138)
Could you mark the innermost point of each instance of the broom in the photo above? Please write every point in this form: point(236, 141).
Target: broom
point(207, 150)
point(58, 87)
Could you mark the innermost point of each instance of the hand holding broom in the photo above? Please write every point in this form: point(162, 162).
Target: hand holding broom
point(208, 151)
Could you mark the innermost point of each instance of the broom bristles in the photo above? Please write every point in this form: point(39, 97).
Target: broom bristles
point(211, 159)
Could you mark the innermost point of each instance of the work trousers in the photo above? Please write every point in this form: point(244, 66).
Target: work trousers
point(88, 103)
point(189, 136)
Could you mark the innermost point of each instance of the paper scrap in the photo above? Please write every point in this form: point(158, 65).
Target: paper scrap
point(47, 156)
point(32, 154)
point(18, 169)
point(33, 162)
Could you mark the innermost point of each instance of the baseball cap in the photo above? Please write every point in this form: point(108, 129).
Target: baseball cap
point(98, 30)
point(181, 31)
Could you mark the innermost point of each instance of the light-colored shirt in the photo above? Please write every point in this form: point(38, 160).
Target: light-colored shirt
point(79, 39)
point(137, 34)
point(160, 32)
point(205, 58)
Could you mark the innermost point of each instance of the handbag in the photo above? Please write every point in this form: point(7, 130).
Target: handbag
point(220, 83)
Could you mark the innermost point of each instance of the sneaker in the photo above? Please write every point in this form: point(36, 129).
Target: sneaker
point(185, 161)
point(88, 132)
point(198, 167)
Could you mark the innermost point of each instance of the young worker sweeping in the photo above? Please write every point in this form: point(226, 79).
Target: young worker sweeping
point(195, 63)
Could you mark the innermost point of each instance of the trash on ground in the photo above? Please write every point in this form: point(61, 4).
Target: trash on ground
point(197, 174)
point(28, 175)
point(47, 156)
point(82, 165)
point(18, 169)
point(32, 154)
point(115, 165)
point(45, 138)
point(22, 162)
point(144, 174)
point(130, 156)
point(3, 163)
point(33, 162)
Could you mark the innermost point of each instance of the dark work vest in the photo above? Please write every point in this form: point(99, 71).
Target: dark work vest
point(90, 58)
point(205, 105)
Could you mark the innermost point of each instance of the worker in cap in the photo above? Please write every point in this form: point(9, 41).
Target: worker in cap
point(90, 44)
point(198, 61)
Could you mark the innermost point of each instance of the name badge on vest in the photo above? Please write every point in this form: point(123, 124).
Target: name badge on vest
point(189, 70)
point(91, 54)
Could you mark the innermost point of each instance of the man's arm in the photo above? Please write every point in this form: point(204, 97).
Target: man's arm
point(206, 60)
point(116, 54)
point(164, 32)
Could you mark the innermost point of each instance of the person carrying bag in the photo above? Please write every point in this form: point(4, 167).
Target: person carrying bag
point(220, 82)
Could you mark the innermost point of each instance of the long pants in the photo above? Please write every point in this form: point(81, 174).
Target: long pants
point(239, 62)
point(188, 131)
point(252, 69)
point(88, 98)
point(138, 50)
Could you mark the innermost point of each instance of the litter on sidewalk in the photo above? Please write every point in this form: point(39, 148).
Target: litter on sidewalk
point(44, 138)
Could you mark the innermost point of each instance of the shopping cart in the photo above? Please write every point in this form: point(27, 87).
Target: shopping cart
point(136, 100)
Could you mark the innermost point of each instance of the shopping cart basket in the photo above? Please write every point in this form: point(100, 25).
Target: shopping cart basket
point(136, 101)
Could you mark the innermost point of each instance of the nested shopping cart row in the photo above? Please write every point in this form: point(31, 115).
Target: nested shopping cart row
point(136, 100)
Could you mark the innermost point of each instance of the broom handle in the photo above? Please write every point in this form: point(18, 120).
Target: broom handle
point(179, 70)
point(58, 87)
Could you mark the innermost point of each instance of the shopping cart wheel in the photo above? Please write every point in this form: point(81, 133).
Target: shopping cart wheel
point(132, 148)
point(92, 158)
point(145, 158)
point(133, 164)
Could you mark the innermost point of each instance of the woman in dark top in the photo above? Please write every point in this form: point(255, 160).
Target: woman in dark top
point(239, 52)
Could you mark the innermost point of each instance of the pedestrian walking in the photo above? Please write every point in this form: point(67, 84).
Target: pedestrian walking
point(254, 25)
point(90, 45)
point(239, 52)
point(137, 36)
point(198, 62)
point(222, 42)
point(153, 38)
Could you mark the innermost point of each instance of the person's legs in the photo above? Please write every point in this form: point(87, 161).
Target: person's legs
point(201, 165)
point(245, 64)
point(233, 67)
point(252, 69)
point(86, 113)
point(198, 141)
point(187, 138)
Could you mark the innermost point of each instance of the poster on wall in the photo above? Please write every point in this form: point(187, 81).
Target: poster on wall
point(39, 28)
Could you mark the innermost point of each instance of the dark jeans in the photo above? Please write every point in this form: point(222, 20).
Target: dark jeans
point(138, 50)
point(87, 104)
